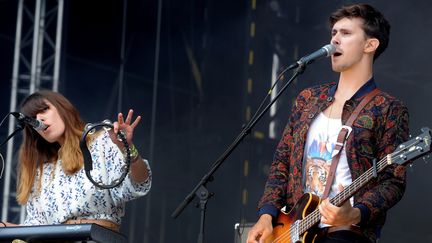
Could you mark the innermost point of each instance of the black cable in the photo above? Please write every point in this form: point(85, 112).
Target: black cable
point(278, 78)
point(20, 127)
point(1, 123)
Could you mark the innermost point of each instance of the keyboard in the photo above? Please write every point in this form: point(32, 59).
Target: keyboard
point(61, 232)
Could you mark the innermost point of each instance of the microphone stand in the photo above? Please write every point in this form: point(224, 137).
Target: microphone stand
point(200, 189)
point(20, 127)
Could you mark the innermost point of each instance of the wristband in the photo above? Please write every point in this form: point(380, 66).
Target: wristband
point(133, 153)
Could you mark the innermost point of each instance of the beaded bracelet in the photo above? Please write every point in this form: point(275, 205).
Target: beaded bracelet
point(133, 153)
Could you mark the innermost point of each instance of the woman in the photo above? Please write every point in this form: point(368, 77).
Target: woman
point(51, 179)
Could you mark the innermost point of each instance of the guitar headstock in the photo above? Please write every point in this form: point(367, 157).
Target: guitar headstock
point(412, 149)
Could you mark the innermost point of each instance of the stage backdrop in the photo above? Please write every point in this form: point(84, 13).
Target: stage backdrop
point(214, 67)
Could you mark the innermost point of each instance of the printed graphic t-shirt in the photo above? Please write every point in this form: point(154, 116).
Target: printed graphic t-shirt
point(320, 143)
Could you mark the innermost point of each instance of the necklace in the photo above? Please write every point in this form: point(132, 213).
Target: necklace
point(328, 124)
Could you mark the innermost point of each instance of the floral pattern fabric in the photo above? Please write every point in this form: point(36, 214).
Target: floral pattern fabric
point(380, 127)
point(63, 197)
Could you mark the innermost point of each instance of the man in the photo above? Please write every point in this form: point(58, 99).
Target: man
point(302, 160)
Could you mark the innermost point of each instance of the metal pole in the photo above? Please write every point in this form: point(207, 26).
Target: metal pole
point(153, 117)
point(34, 75)
point(40, 43)
point(122, 58)
point(8, 165)
point(59, 31)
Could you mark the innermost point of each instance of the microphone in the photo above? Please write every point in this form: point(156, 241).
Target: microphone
point(324, 51)
point(36, 124)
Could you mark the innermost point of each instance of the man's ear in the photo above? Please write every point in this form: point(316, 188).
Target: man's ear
point(371, 45)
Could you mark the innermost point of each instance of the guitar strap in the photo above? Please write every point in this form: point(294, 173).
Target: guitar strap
point(343, 135)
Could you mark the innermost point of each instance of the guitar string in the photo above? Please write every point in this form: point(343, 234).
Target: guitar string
point(304, 224)
point(307, 222)
point(363, 179)
point(314, 217)
point(344, 194)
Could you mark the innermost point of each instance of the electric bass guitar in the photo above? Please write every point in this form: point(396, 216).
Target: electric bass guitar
point(299, 223)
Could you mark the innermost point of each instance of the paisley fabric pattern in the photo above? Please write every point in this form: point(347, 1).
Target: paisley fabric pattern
point(65, 197)
point(379, 128)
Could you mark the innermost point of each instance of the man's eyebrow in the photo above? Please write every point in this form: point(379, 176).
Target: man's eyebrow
point(340, 29)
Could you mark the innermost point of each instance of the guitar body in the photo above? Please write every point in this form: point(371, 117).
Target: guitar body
point(283, 226)
point(300, 224)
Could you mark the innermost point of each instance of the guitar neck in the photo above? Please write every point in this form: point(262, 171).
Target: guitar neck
point(357, 184)
point(405, 152)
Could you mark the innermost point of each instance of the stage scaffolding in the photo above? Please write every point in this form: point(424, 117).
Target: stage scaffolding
point(36, 66)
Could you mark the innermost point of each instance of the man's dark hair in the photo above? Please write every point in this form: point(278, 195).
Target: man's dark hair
point(374, 23)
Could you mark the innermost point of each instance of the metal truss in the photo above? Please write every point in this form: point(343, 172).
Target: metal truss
point(36, 66)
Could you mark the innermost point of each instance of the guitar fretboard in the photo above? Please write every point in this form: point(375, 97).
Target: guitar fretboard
point(314, 217)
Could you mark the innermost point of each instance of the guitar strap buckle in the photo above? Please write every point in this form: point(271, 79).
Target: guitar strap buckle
point(344, 133)
point(349, 129)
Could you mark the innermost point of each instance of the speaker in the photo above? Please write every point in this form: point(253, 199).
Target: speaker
point(241, 232)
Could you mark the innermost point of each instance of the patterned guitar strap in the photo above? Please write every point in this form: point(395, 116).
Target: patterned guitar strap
point(342, 137)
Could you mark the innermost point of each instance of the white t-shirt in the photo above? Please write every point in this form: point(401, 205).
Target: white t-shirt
point(321, 140)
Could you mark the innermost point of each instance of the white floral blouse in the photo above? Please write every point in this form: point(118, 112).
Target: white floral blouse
point(65, 197)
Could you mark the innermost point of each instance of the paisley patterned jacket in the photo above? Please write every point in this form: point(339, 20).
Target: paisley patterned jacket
point(380, 127)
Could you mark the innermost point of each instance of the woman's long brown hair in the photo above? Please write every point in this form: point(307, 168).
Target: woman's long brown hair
point(35, 151)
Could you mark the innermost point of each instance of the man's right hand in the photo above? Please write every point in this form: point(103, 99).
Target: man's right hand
point(261, 230)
